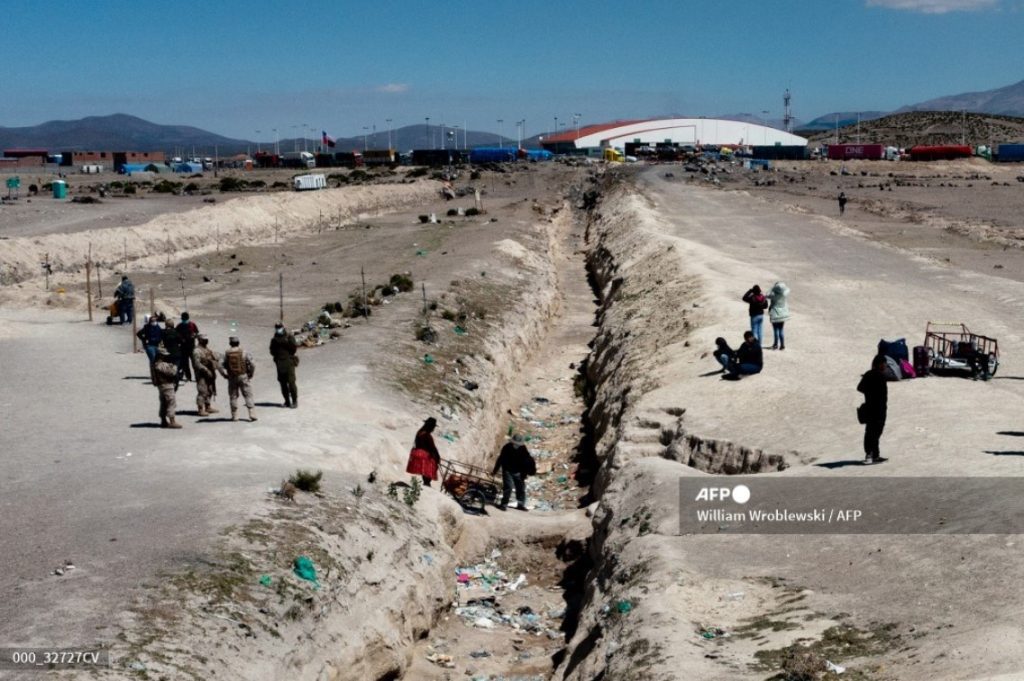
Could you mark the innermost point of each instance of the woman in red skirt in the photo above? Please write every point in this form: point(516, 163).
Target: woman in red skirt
point(424, 457)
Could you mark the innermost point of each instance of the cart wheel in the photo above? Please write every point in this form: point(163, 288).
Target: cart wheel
point(993, 365)
point(473, 501)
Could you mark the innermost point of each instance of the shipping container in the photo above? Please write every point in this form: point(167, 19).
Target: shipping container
point(436, 157)
point(380, 157)
point(782, 152)
point(307, 182)
point(1010, 153)
point(943, 152)
point(846, 152)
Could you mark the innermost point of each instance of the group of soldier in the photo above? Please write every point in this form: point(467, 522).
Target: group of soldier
point(177, 352)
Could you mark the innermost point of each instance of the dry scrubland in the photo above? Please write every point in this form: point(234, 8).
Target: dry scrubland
point(667, 258)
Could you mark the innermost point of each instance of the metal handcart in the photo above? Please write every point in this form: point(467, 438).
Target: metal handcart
point(472, 486)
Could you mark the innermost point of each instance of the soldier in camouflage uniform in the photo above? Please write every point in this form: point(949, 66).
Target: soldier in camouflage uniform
point(238, 368)
point(165, 378)
point(205, 361)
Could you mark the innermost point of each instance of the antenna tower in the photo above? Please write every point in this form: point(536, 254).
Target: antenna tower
point(787, 118)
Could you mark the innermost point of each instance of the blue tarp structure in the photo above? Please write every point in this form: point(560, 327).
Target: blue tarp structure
point(539, 154)
point(129, 168)
point(190, 168)
point(492, 154)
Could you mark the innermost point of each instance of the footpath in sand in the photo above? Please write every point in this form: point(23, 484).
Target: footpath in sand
point(725, 607)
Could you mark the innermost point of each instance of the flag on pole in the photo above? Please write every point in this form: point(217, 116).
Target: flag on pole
point(327, 139)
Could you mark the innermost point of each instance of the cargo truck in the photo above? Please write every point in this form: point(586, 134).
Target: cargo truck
point(308, 182)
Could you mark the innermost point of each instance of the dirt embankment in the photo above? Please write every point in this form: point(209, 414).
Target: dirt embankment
point(385, 558)
point(257, 219)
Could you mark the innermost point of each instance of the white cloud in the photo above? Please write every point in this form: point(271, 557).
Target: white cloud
point(935, 6)
point(393, 87)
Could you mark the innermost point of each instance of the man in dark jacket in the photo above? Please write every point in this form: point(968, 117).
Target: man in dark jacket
point(748, 359)
point(283, 349)
point(873, 411)
point(516, 464)
point(124, 294)
point(151, 334)
point(187, 332)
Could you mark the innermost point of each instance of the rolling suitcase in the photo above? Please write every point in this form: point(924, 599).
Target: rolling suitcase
point(922, 362)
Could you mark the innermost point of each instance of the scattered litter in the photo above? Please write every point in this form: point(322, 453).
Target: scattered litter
point(265, 580)
point(428, 359)
point(483, 623)
point(624, 607)
point(459, 331)
point(449, 437)
point(479, 653)
point(420, 251)
point(304, 569)
point(68, 566)
point(541, 400)
point(137, 666)
point(520, 581)
point(713, 632)
point(834, 668)
point(427, 558)
point(735, 596)
point(440, 660)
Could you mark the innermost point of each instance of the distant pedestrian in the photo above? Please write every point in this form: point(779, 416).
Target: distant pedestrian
point(187, 332)
point(778, 313)
point(757, 304)
point(284, 351)
point(424, 457)
point(124, 294)
point(842, 202)
point(205, 362)
point(516, 464)
point(873, 412)
point(237, 366)
point(165, 378)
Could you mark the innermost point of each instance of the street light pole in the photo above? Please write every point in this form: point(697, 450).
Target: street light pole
point(277, 143)
point(426, 132)
point(365, 128)
point(576, 119)
point(258, 142)
point(388, 121)
point(764, 126)
point(501, 141)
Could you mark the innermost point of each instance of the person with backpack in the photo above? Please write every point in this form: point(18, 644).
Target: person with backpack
point(757, 304)
point(516, 464)
point(778, 313)
point(873, 411)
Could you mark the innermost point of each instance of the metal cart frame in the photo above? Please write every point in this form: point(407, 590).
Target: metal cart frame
point(942, 339)
point(472, 486)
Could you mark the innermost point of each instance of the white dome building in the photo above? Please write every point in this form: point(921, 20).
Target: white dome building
point(677, 131)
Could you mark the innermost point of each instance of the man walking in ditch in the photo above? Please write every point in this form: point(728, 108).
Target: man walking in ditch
point(124, 294)
point(205, 361)
point(516, 464)
point(842, 202)
point(283, 350)
point(239, 369)
point(872, 413)
point(165, 378)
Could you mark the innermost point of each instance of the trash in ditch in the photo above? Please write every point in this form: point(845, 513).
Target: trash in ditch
point(420, 251)
point(713, 632)
point(541, 400)
point(735, 596)
point(834, 668)
point(448, 436)
point(428, 359)
point(459, 331)
point(440, 660)
point(479, 653)
point(520, 580)
point(304, 569)
point(624, 607)
point(483, 623)
point(427, 558)
point(68, 566)
point(265, 580)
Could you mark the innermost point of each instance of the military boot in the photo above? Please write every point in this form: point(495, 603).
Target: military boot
point(173, 424)
point(202, 412)
point(163, 422)
point(210, 409)
point(252, 414)
point(234, 414)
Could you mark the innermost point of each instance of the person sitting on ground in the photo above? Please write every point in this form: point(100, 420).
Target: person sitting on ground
point(723, 353)
point(424, 457)
point(748, 359)
point(976, 360)
point(516, 464)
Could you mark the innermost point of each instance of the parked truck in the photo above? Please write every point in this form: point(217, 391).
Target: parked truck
point(308, 182)
point(298, 159)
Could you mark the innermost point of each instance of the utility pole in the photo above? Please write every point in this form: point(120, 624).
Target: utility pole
point(88, 281)
point(280, 295)
point(184, 296)
point(388, 121)
point(426, 133)
point(501, 141)
point(362, 273)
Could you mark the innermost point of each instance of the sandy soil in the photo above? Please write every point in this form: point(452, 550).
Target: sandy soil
point(939, 604)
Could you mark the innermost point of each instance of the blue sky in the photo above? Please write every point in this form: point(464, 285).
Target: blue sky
point(235, 67)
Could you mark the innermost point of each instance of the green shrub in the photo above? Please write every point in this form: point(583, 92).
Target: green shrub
point(166, 187)
point(403, 282)
point(232, 184)
point(190, 187)
point(129, 188)
point(257, 184)
point(307, 481)
point(279, 185)
point(472, 211)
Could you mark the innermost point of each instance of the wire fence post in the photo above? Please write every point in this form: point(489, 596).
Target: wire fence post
point(362, 273)
point(280, 294)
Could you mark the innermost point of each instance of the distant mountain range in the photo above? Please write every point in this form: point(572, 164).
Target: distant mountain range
point(122, 132)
